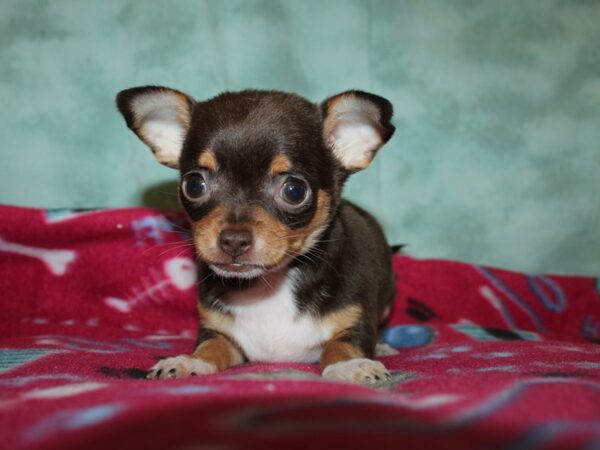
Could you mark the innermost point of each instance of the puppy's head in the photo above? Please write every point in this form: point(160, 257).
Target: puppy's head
point(261, 171)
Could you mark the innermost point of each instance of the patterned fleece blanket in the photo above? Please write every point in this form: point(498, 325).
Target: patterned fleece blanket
point(89, 300)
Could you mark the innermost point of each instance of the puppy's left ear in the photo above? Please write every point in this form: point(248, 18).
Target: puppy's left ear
point(355, 125)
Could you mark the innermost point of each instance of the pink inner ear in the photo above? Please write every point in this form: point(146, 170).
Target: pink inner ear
point(352, 128)
point(161, 119)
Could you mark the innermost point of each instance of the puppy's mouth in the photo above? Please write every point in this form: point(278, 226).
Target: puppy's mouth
point(245, 269)
point(238, 270)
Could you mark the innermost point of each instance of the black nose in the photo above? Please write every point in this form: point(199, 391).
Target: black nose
point(235, 242)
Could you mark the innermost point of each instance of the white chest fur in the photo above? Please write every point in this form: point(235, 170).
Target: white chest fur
point(268, 326)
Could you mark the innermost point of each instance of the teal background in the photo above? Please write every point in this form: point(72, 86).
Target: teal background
point(496, 157)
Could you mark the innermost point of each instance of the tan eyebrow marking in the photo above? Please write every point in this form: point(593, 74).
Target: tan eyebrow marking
point(208, 160)
point(280, 164)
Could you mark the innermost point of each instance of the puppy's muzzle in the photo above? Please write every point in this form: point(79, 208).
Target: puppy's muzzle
point(235, 242)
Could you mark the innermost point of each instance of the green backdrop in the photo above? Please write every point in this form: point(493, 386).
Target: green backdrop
point(496, 157)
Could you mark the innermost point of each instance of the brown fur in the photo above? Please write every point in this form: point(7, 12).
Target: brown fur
point(206, 233)
point(320, 219)
point(337, 350)
point(343, 319)
point(251, 142)
point(279, 240)
point(220, 352)
point(215, 320)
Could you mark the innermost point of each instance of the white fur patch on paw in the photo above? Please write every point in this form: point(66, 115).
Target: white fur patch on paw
point(383, 349)
point(357, 370)
point(181, 367)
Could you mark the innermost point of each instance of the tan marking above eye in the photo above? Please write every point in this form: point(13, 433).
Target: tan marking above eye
point(208, 160)
point(280, 164)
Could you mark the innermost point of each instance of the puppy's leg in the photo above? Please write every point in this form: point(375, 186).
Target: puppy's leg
point(215, 352)
point(344, 360)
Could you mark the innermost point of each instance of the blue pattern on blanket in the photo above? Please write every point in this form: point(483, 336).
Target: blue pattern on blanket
point(11, 358)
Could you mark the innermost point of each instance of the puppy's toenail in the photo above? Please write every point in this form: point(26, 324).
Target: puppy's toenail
point(172, 371)
point(159, 372)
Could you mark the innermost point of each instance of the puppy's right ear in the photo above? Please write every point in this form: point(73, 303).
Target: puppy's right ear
point(160, 117)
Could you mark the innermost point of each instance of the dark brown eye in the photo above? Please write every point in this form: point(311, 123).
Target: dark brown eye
point(194, 186)
point(293, 192)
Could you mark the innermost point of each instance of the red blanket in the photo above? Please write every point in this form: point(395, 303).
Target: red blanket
point(90, 300)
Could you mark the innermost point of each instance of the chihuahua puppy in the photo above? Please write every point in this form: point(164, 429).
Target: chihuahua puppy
point(289, 270)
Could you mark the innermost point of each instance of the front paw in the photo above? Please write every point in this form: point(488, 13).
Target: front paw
point(181, 367)
point(357, 370)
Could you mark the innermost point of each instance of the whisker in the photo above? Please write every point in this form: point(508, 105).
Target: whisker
point(288, 236)
point(182, 252)
point(266, 282)
point(182, 247)
point(318, 257)
point(332, 240)
point(166, 244)
point(177, 227)
point(183, 231)
point(210, 274)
